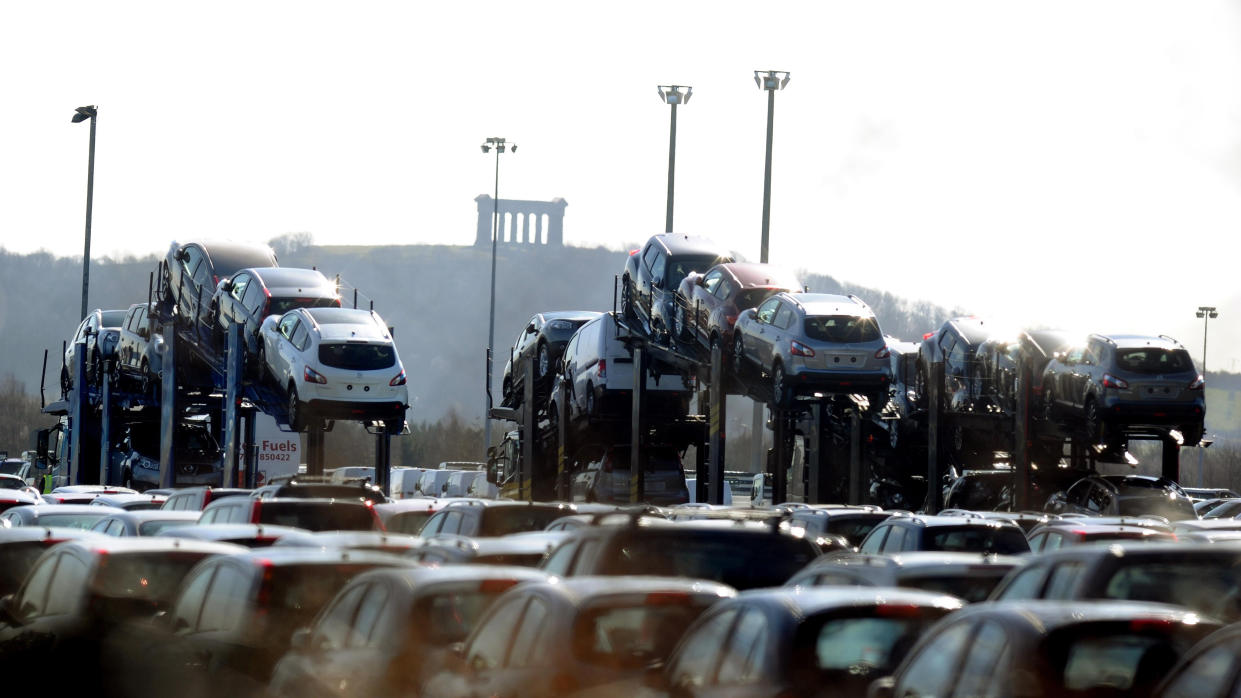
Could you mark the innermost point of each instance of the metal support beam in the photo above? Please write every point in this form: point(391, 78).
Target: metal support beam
point(234, 366)
point(1021, 437)
point(252, 451)
point(168, 412)
point(1171, 460)
point(383, 460)
point(717, 420)
point(529, 431)
point(563, 489)
point(935, 442)
point(782, 452)
point(314, 449)
point(105, 425)
point(815, 456)
point(637, 446)
point(79, 412)
point(855, 457)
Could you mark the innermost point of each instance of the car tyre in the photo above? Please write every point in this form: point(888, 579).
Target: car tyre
point(627, 310)
point(590, 401)
point(779, 386)
point(738, 352)
point(1092, 421)
point(543, 366)
point(1049, 406)
point(1192, 434)
point(297, 421)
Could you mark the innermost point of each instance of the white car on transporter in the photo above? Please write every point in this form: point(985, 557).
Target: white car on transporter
point(335, 363)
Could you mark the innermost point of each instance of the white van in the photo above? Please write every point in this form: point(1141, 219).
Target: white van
point(599, 369)
point(692, 483)
point(458, 482)
point(405, 482)
point(431, 484)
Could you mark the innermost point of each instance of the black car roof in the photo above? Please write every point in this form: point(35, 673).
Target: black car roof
point(228, 257)
point(690, 245)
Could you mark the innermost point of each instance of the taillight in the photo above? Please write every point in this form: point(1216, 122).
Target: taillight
point(601, 369)
point(312, 376)
point(927, 336)
point(1110, 381)
point(379, 523)
point(399, 379)
point(1197, 383)
point(1141, 624)
point(897, 610)
point(796, 348)
point(256, 512)
point(264, 595)
point(883, 353)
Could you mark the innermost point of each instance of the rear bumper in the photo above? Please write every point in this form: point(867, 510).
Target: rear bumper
point(362, 411)
point(1157, 414)
point(810, 380)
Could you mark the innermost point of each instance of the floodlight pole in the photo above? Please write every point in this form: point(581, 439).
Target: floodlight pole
point(671, 94)
point(81, 114)
point(1207, 313)
point(499, 145)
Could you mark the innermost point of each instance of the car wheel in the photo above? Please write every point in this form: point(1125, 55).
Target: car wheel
point(627, 311)
point(553, 421)
point(127, 480)
point(778, 386)
point(1192, 434)
point(590, 401)
point(544, 364)
point(1049, 406)
point(296, 418)
point(738, 352)
point(894, 433)
point(394, 426)
point(1094, 427)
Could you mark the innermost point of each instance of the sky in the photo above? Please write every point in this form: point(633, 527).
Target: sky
point(1063, 163)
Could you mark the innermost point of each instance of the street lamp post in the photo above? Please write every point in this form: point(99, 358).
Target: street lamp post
point(1207, 313)
point(81, 114)
point(499, 145)
point(672, 95)
point(770, 80)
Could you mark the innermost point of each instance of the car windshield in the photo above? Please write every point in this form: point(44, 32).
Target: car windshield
point(751, 297)
point(151, 528)
point(741, 562)
point(408, 522)
point(113, 318)
point(679, 268)
point(318, 516)
point(357, 356)
point(11, 467)
point(83, 521)
point(297, 592)
point(1152, 360)
point(1210, 586)
point(501, 521)
point(633, 636)
point(979, 539)
point(842, 329)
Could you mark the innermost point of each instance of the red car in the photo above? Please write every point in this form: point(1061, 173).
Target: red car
point(708, 304)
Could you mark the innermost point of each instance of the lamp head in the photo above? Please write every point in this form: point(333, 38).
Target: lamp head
point(671, 94)
point(83, 113)
point(771, 79)
point(486, 148)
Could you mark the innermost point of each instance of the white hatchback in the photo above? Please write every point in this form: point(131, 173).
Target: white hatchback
point(335, 363)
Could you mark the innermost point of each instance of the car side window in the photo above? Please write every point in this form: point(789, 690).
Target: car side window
point(451, 523)
point(745, 660)
point(711, 280)
point(67, 585)
point(558, 562)
point(895, 541)
point(985, 670)
point(528, 651)
point(874, 540)
point(649, 255)
point(190, 602)
point(1037, 541)
point(226, 600)
point(724, 290)
point(930, 672)
point(301, 337)
point(34, 593)
point(767, 311)
point(253, 299)
point(1075, 355)
point(333, 632)
point(193, 259)
point(699, 654)
point(587, 557)
point(288, 325)
point(1207, 674)
point(369, 615)
point(240, 282)
point(434, 523)
point(1026, 584)
point(1063, 579)
point(784, 317)
point(491, 639)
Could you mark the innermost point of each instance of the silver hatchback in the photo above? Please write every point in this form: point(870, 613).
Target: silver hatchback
point(814, 343)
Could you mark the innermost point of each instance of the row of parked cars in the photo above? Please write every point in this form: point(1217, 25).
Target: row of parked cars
point(327, 361)
point(595, 600)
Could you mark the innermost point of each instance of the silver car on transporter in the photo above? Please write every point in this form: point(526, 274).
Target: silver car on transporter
point(814, 343)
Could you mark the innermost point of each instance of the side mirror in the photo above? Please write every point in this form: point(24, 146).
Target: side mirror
point(530, 328)
point(182, 255)
point(750, 313)
point(698, 282)
point(655, 678)
point(882, 688)
point(226, 285)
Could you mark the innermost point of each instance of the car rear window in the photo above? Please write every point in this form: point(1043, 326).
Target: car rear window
point(408, 522)
point(972, 586)
point(153, 576)
point(1117, 662)
point(867, 645)
point(280, 306)
point(751, 297)
point(450, 616)
point(842, 329)
point(632, 636)
point(113, 318)
point(741, 560)
point(501, 521)
point(978, 539)
point(1171, 508)
point(852, 528)
point(151, 528)
point(16, 560)
point(318, 516)
point(83, 521)
point(1152, 360)
point(1210, 586)
point(299, 591)
point(357, 356)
